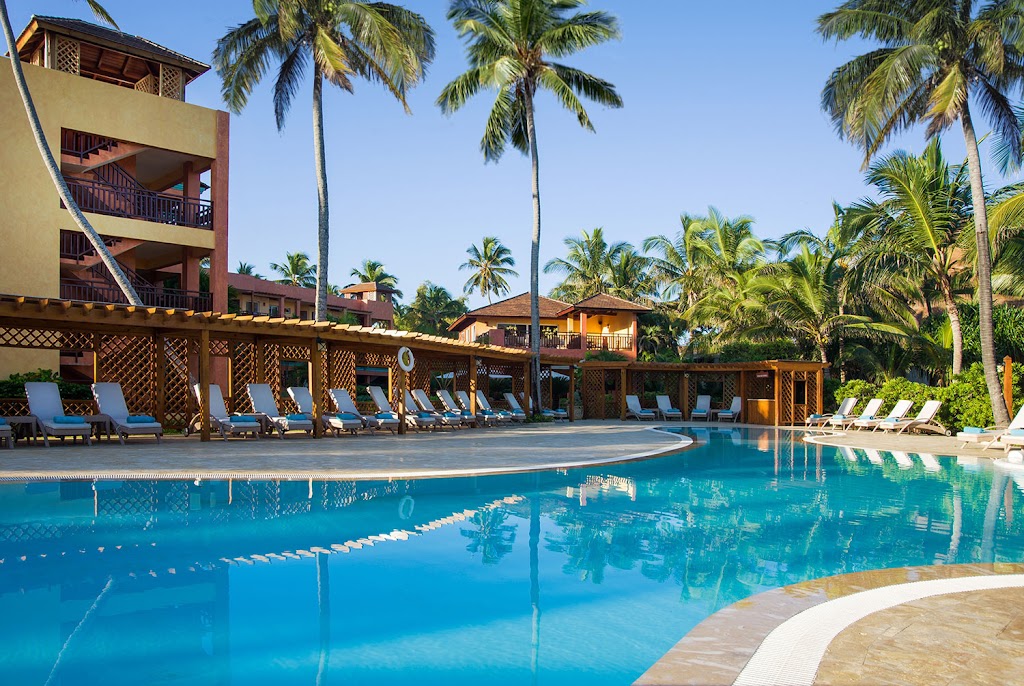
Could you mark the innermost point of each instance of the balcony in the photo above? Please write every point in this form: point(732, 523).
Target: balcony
point(152, 296)
point(134, 202)
point(575, 341)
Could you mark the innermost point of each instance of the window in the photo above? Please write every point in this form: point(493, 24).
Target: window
point(275, 311)
point(799, 392)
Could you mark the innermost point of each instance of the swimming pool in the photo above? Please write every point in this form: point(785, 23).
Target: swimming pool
point(585, 576)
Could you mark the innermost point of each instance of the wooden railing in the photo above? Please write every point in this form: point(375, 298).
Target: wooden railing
point(76, 246)
point(152, 296)
point(135, 203)
point(574, 341)
point(81, 145)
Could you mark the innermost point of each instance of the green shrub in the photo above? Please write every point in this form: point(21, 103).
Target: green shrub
point(606, 356)
point(862, 390)
point(14, 385)
point(747, 351)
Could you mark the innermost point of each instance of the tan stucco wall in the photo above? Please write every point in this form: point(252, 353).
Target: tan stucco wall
point(19, 360)
point(619, 323)
point(31, 218)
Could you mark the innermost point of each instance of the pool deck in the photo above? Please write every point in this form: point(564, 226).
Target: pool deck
point(464, 452)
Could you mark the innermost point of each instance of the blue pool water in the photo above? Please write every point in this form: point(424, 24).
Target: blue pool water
point(586, 576)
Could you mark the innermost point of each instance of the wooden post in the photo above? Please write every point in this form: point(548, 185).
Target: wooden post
point(316, 386)
point(1008, 383)
point(572, 394)
point(159, 355)
point(777, 382)
point(401, 399)
point(261, 361)
point(527, 395)
point(743, 396)
point(95, 358)
point(204, 385)
point(820, 385)
point(684, 394)
point(551, 391)
point(622, 394)
point(472, 385)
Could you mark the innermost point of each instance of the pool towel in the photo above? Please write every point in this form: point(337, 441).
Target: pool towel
point(68, 420)
point(1017, 432)
point(346, 415)
point(296, 417)
point(141, 419)
point(973, 430)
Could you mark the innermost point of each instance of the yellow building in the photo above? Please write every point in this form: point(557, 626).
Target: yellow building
point(600, 322)
point(149, 170)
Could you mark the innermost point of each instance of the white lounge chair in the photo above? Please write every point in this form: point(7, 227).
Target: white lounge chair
point(263, 402)
point(514, 407)
point(451, 406)
point(110, 401)
point(1012, 439)
point(925, 420)
point(557, 415)
point(899, 411)
point(224, 423)
point(303, 399)
point(638, 413)
point(346, 405)
point(991, 435)
point(504, 415)
point(868, 415)
point(845, 408)
point(702, 410)
point(45, 405)
point(420, 398)
point(665, 409)
point(733, 413)
point(487, 415)
point(412, 416)
point(6, 433)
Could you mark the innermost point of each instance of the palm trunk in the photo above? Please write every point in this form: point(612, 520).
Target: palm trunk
point(983, 272)
point(323, 224)
point(531, 134)
point(954, 324)
point(51, 166)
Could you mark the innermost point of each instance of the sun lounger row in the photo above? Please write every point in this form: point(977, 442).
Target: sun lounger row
point(896, 420)
point(701, 411)
point(1006, 437)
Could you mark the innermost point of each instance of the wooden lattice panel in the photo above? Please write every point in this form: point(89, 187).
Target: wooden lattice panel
point(812, 395)
point(220, 348)
point(147, 84)
point(730, 388)
point(130, 361)
point(785, 410)
point(295, 353)
point(179, 405)
point(760, 387)
point(341, 369)
point(593, 394)
point(272, 367)
point(67, 55)
point(76, 341)
point(483, 378)
point(171, 83)
point(31, 338)
point(545, 387)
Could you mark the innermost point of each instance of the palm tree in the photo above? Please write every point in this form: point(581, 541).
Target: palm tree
point(51, 165)
point(731, 246)
point(586, 269)
point(510, 46)
point(372, 271)
point(296, 270)
point(935, 56)
point(247, 269)
point(432, 310)
point(630, 277)
point(492, 263)
point(678, 269)
point(342, 39)
point(924, 211)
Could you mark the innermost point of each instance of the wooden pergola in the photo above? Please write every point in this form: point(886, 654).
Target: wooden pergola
point(775, 392)
point(157, 354)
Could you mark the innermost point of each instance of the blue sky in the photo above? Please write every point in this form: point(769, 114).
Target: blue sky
point(721, 108)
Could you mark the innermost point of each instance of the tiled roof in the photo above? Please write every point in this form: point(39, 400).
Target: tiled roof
point(127, 40)
point(367, 287)
point(518, 306)
point(603, 301)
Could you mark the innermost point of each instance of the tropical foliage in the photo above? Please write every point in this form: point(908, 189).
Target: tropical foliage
point(371, 271)
point(491, 266)
point(247, 269)
point(296, 270)
point(431, 311)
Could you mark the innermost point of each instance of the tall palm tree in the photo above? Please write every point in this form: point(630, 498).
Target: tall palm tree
point(731, 246)
point(630, 277)
point(924, 210)
point(491, 263)
point(372, 271)
point(678, 269)
point(510, 46)
point(51, 165)
point(296, 270)
point(432, 310)
point(343, 39)
point(586, 269)
point(935, 55)
point(247, 269)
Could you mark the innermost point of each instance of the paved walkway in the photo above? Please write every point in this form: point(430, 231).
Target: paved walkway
point(381, 456)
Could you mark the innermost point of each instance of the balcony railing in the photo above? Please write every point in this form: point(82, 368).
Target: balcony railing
point(574, 341)
point(135, 203)
point(152, 296)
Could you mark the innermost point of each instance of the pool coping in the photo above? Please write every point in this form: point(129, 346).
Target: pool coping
point(719, 649)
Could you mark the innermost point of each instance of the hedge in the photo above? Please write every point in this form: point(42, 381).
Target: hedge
point(14, 385)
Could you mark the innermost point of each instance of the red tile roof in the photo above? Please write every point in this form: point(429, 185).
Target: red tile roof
point(604, 302)
point(518, 306)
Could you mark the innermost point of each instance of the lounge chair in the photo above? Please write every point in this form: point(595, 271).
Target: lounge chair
point(733, 413)
point(224, 423)
point(451, 406)
point(412, 417)
point(925, 420)
point(110, 401)
point(420, 398)
point(6, 434)
point(702, 409)
point(991, 435)
point(514, 407)
point(503, 415)
point(1012, 439)
point(634, 410)
point(665, 409)
point(845, 408)
point(558, 415)
point(346, 405)
point(45, 405)
point(263, 403)
point(898, 412)
point(488, 415)
point(303, 399)
point(868, 415)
